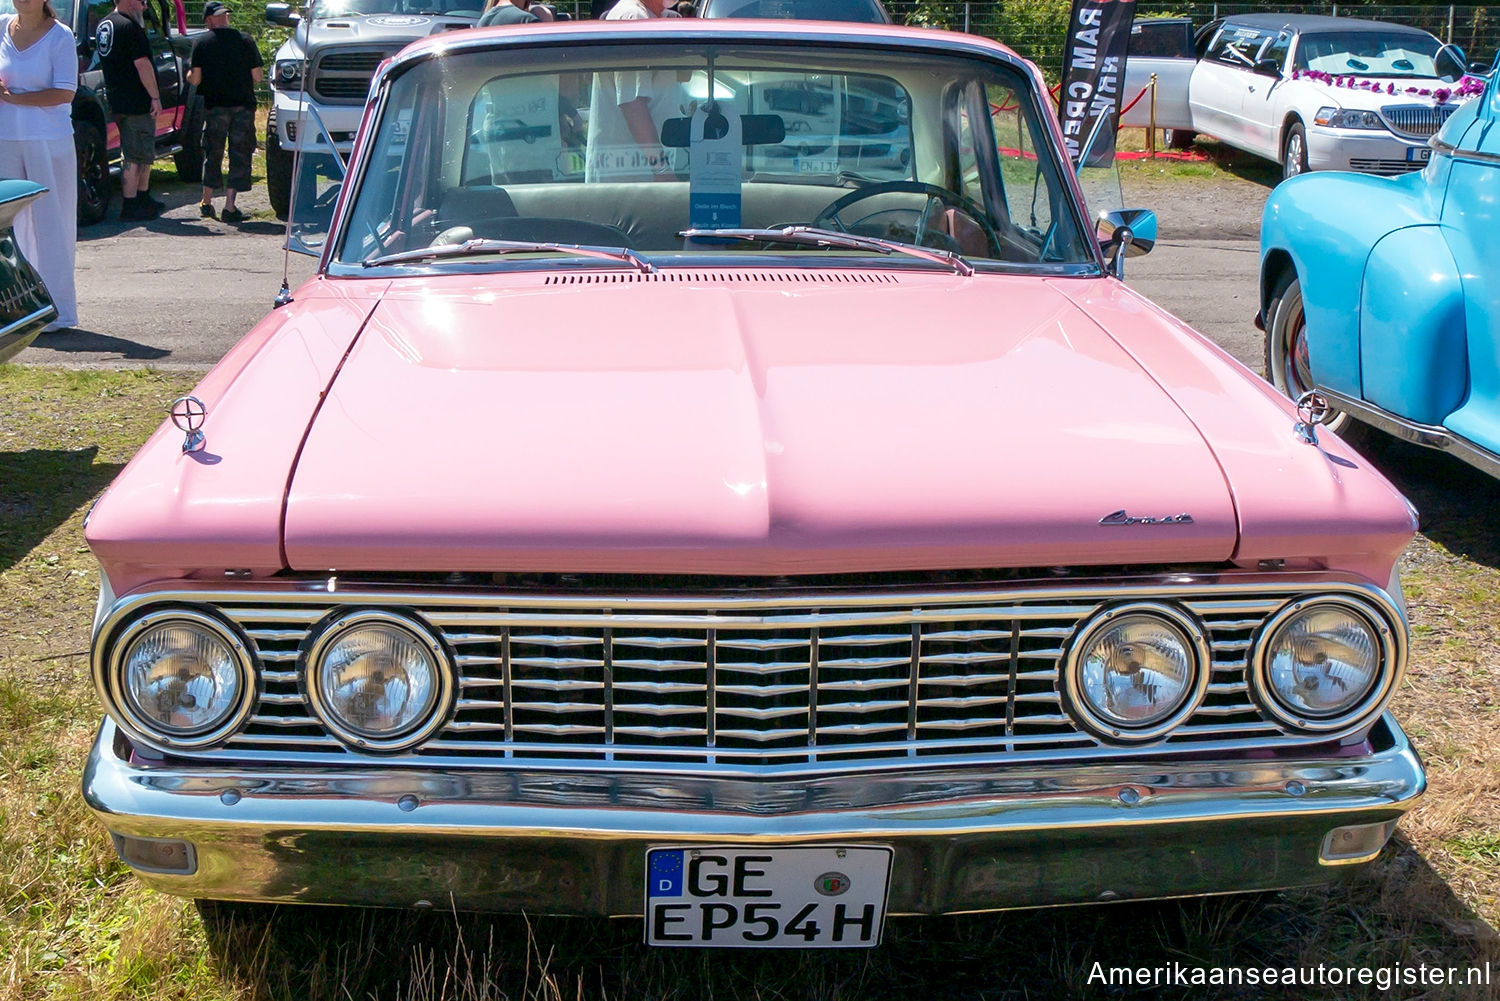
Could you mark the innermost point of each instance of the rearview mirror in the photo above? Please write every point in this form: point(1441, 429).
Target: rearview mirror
point(676, 133)
point(282, 14)
point(1268, 67)
point(1125, 233)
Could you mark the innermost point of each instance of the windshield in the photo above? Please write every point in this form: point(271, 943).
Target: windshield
point(867, 11)
point(354, 8)
point(1394, 53)
point(630, 145)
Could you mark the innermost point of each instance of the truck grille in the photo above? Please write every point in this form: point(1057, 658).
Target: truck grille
point(342, 76)
point(824, 679)
point(1417, 121)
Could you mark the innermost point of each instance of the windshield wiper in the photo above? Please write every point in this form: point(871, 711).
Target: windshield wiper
point(477, 248)
point(812, 236)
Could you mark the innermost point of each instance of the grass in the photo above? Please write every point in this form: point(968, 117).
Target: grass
point(75, 924)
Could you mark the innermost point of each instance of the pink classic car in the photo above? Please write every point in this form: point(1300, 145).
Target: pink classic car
point(717, 475)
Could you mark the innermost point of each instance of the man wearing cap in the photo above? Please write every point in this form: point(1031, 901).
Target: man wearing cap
point(226, 66)
point(134, 102)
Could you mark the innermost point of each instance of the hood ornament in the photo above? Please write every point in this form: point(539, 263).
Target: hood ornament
point(188, 413)
point(1120, 517)
point(1312, 410)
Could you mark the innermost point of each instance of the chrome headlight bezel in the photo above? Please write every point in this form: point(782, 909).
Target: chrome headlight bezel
point(287, 74)
point(1389, 670)
point(446, 680)
point(1076, 702)
point(121, 702)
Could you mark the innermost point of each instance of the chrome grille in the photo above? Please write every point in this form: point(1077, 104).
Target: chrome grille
point(1417, 121)
point(842, 678)
point(342, 76)
point(1367, 166)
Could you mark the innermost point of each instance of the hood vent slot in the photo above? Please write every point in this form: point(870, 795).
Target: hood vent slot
point(737, 277)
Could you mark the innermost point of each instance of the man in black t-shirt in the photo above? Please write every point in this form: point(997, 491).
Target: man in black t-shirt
point(226, 66)
point(134, 102)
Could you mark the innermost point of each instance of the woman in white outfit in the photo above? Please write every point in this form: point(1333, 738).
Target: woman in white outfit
point(38, 75)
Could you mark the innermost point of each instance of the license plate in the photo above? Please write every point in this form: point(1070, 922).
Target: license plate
point(1419, 153)
point(817, 166)
point(772, 898)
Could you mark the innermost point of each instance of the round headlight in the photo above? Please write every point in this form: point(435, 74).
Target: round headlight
point(182, 678)
point(1322, 663)
point(1136, 671)
point(379, 681)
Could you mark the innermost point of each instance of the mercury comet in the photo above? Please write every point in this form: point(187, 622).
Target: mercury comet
point(642, 518)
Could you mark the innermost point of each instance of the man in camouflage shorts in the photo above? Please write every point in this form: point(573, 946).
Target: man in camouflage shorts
point(226, 66)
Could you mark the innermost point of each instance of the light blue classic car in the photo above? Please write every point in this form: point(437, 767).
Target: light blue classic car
point(1383, 294)
point(25, 307)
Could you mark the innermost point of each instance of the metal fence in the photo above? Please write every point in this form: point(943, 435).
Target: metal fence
point(1036, 28)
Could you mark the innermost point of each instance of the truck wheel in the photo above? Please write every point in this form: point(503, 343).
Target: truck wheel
point(1294, 153)
point(278, 172)
point(1288, 364)
point(93, 173)
point(1179, 138)
point(189, 159)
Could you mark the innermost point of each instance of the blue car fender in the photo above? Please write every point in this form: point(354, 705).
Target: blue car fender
point(1325, 225)
point(1412, 340)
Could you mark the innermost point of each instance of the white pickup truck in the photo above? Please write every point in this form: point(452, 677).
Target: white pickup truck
point(1308, 92)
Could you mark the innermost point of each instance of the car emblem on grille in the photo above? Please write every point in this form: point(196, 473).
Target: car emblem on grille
point(188, 413)
point(832, 884)
point(1121, 518)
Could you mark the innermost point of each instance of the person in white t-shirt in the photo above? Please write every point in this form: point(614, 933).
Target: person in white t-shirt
point(38, 76)
point(626, 111)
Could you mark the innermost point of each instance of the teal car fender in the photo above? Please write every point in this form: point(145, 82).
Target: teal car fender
point(1330, 230)
point(25, 307)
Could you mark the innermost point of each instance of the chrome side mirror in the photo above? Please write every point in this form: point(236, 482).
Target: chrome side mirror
point(1125, 233)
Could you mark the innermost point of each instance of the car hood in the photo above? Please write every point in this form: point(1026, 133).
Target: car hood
point(390, 30)
point(1378, 95)
point(802, 422)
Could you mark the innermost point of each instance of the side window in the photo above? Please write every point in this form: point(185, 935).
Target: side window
point(1238, 46)
point(1025, 187)
point(1279, 49)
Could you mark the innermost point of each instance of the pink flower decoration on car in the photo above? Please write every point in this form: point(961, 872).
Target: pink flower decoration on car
point(1441, 95)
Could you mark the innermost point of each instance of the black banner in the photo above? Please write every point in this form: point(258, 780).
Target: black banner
point(1093, 75)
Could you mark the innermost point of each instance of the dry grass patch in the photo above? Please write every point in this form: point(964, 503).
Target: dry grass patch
point(75, 924)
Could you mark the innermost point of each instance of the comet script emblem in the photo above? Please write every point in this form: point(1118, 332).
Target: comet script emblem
point(1122, 518)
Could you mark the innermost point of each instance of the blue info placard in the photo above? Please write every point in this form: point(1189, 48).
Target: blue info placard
point(715, 165)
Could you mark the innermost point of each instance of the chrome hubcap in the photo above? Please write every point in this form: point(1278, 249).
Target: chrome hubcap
point(1294, 156)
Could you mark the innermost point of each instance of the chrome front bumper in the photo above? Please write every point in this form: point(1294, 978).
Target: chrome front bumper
point(573, 841)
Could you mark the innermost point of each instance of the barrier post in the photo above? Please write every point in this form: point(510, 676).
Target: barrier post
point(1151, 132)
point(1449, 39)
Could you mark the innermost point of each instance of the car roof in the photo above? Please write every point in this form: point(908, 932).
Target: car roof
point(691, 29)
point(1315, 22)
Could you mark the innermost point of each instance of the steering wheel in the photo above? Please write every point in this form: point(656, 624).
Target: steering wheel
point(933, 193)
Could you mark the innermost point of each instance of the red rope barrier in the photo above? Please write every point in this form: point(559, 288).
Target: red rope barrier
point(1126, 110)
